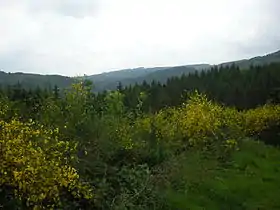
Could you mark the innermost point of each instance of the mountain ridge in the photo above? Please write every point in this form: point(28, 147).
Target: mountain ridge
point(110, 80)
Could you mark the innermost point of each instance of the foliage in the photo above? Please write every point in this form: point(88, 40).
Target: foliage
point(129, 77)
point(34, 163)
point(249, 181)
point(79, 150)
point(228, 85)
point(261, 118)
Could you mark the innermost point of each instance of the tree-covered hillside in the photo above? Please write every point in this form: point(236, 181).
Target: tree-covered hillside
point(111, 80)
point(256, 61)
point(227, 85)
point(34, 80)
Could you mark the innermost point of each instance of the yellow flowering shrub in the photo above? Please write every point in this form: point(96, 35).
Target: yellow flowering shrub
point(166, 127)
point(200, 118)
point(197, 122)
point(35, 164)
point(232, 119)
point(261, 118)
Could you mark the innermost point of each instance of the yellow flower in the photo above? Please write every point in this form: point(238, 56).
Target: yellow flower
point(35, 163)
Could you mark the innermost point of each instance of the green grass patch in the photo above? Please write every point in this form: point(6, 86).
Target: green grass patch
point(251, 180)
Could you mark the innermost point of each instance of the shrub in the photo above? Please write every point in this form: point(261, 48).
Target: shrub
point(36, 164)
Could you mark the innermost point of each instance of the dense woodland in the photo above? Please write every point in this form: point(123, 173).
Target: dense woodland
point(205, 140)
point(228, 85)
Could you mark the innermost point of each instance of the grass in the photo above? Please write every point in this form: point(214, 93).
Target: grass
point(251, 180)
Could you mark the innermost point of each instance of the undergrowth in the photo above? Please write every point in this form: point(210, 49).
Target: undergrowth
point(73, 155)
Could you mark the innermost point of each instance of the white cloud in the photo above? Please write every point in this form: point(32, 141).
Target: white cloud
point(74, 37)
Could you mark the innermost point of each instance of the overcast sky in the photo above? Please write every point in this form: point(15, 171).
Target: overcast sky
point(76, 37)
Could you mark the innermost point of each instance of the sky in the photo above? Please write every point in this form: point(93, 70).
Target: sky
point(77, 37)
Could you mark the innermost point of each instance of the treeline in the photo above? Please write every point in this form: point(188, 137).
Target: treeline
point(228, 85)
point(27, 101)
point(28, 80)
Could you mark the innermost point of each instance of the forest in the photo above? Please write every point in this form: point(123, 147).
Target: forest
point(205, 140)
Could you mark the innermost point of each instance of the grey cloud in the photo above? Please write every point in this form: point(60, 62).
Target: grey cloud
point(14, 62)
point(75, 8)
point(265, 41)
point(267, 36)
point(54, 43)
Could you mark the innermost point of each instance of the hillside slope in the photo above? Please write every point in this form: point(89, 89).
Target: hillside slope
point(110, 80)
point(34, 80)
point(256, 61)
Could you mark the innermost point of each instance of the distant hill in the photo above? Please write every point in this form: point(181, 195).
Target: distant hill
point(176, 71)
point(163, 75)
point(34, 80)
point(110, 80)
point(256, 61)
